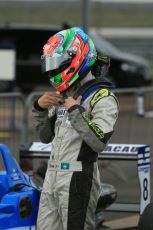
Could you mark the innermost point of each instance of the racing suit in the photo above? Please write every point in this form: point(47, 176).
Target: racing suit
point(72, 183)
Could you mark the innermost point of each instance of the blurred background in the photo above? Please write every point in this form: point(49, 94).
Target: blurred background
point(121, 29)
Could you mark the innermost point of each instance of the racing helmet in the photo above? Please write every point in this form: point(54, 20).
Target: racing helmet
point(67, 56)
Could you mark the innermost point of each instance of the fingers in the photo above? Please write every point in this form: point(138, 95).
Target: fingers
point(50, 99)
point(78, 100)
point(52, 95)
point(70, 101)
point(54, 99)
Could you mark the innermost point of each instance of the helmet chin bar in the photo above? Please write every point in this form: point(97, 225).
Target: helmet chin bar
point(66, 85)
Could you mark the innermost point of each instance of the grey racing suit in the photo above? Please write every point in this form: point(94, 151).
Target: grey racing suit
point(72, 184)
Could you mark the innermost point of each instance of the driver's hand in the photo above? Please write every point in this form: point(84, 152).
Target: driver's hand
point(70, 101)
point(50, 99)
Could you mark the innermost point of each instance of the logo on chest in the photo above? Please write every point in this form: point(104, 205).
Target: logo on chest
point(60, 112)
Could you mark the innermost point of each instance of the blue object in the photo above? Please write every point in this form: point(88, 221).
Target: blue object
point(99, 85)
point(19, 197)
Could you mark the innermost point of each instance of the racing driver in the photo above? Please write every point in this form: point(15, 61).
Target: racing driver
point(77, 115)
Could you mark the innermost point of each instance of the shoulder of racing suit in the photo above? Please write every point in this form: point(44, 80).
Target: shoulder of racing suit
point(99, 94)
point(100, 88)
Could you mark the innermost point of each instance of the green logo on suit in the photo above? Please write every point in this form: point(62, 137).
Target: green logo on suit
point(65, 166)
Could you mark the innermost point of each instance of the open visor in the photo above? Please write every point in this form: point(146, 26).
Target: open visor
point(49, 63)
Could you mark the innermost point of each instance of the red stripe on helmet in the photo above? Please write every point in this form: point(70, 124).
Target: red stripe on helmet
point(51, 45)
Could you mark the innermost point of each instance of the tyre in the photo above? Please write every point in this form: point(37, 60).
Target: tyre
point(146, 220)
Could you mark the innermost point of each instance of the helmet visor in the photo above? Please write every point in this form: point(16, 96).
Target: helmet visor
point(54, 62)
